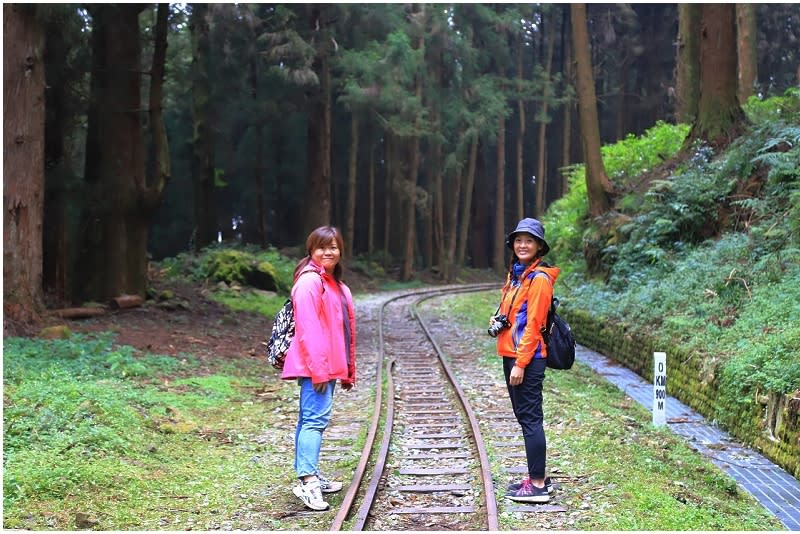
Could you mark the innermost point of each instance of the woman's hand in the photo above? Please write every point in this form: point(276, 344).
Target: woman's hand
point(517, 374)
point(321, 387)
point(347, 385)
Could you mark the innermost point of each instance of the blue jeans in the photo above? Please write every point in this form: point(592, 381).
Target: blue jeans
point(315, 413)
point(526, 399)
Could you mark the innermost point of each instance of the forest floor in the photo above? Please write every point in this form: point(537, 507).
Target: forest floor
point(191, 322)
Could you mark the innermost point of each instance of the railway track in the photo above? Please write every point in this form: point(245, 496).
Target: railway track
point(432, 453)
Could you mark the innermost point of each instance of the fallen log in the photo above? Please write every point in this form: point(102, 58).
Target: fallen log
point(78, 313)
point(126, 301)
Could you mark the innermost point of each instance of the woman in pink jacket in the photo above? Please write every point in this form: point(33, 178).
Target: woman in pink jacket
point(323, 351)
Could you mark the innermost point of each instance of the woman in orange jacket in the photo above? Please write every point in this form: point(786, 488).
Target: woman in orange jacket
point(517, 325)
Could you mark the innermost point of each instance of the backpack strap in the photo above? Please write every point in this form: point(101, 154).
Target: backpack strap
point(311, 270)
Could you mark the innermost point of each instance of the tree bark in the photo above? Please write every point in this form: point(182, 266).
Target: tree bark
point(687, 79)
point(371, 211)
point(258, 125)
point(123, 302)
point(79, 313)
point(203, 158)
point(746, 46)
point(466, 210)
point(541, 160)
point(520, 178)
point(569, 69)
point(719, 115)
point(318, 207)
point(119, 205)
point(388, 192)
point(499, 249)
point(60, 195)
point(413, 169)
point(597, 183)
point(350, 210)
point(23, 162)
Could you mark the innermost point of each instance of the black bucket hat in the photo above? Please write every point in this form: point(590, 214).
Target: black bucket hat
point(529, 226)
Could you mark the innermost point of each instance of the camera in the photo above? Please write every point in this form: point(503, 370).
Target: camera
point(498, 323)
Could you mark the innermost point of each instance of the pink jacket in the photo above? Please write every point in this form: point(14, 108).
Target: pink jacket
point(319, 349)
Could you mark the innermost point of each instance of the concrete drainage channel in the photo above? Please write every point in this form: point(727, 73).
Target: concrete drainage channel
point(772, 486)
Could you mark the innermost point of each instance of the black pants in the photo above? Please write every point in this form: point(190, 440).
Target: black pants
point(526, 399)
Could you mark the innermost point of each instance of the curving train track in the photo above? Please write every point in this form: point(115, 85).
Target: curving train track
point(431, 468)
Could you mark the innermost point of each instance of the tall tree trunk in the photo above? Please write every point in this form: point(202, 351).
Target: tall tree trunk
point(449, 254)
point(622, 107)
point(520, 178)
point(59, 196)
point(437, 237)
point(541, 159)
point(719, 115)
point(569, 105)
point(258, 123)
point(746, 46)
point(410, 214)
point(466, 209)
point(414, 158)
point(318, 207)
point(481, 231)
point(350, 210)
point(114, 255)
point(499, 242)
point(203, 164)
point(371, 211)
point(23, 162)
point(150, 192)
point(687, 77)
point(388, 192)
point(597, 183)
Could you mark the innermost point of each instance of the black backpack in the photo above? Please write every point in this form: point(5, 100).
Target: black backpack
point(558, 337)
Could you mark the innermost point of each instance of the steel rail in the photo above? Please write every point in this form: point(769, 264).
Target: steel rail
point(358, 475)
point(490, 499)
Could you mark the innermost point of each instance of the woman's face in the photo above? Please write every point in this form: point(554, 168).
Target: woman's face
point(327, 256)
point(525, 247)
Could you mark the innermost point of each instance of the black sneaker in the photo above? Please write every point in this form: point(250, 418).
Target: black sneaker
point(548, 485)
point(527, 492)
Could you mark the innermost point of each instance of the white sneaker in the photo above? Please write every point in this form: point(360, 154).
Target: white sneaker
point(311, 494)
point(328, 486)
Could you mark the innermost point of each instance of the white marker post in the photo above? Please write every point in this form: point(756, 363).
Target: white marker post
point(659, 388)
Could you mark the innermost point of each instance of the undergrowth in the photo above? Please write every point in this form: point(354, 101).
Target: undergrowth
point(708, 257)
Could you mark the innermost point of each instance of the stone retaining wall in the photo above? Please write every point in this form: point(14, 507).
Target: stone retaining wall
point(772, 426)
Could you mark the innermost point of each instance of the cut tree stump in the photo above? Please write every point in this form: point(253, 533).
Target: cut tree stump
point(78, 313)
point(126, 301)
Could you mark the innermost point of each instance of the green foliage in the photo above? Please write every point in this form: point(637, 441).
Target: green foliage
point(241, 265)
point(227, 265)
point(566, 218)
point(776, 108)
point(709, 259)
point(250, 301)
point(633, 156)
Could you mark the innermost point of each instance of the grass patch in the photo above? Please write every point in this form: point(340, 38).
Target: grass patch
point(249, 301)
point(146, 442)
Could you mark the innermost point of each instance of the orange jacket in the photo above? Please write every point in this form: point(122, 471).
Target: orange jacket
point(527, 314)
